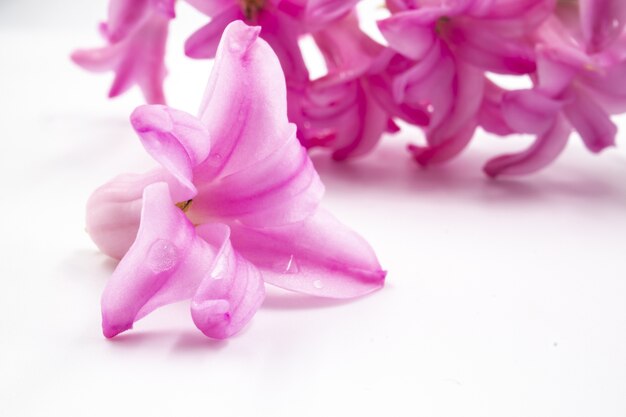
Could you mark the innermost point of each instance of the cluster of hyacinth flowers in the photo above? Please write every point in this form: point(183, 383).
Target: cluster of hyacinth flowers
point(235, 202)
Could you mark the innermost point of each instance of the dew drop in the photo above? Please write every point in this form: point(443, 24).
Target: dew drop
point(215, 159)
point(292, 266)
point(318, 284)
point(162, 256)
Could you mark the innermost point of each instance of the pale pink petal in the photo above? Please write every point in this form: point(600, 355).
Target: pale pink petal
point(592, 123)
point(114, 209)
point(165, 264)
point(203, 42)
point(231, 293)
point(542, 152)
point(256, 166)
point(319, 256)
point(177, 140)
point(245, 103)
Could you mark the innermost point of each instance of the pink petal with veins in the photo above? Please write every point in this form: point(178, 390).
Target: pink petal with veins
point(165, 264)
point(541, 153)
point(231, 293)
point(319, 256)
point(114, 209)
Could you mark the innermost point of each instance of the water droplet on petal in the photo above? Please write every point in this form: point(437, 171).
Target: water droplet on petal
point(162, 256)
point(318, 284)
point(292, 266)
point(214, 159)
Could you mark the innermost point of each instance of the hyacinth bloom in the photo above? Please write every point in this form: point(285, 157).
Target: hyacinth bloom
point(234, 205)
point(311, 108)
point(339, 110)
point(443, 51)
point(574, 89)
point(136, 33)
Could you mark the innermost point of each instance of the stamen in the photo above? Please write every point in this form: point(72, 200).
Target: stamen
point(441, 25)
point(251, 8)
point(184, 205)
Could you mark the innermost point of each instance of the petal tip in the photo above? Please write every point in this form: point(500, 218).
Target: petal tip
point(151, 117)
point(240, 37)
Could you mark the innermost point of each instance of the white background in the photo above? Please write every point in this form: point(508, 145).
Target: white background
point(504, 298)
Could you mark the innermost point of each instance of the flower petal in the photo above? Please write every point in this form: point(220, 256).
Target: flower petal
point(137, 59)
point(282, 188)
point(203, 42)
point(529, 111)
point(165, 264)
point(408, 34)
point(232, 292)
point(177, 140)
point(592, 123)
point(245, 103)
point(114, 209)
point(602, 22)
point(256, 166)
point(319, 256)
point(542, 152)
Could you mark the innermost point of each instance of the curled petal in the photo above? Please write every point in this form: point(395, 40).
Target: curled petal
point(543, 151)
point(529, 111)
point(446, 149)
point(318, 256)
point(114, 209)
point(592, 123)
point(231, 293)
point(456, 128)
point(165, 264)
point(174, 138)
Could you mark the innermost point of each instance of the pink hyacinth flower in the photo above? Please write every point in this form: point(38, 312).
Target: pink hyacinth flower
point(283, 23)
point(574, 91)
point(339, 111)
point(234, 204)
point(136, 33)
point(444, 49)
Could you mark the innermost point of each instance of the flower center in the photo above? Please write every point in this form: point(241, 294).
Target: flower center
point(184, 205)
point(251, 8)
point(442, 25)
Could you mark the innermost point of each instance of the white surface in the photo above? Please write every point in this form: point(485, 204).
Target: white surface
point(504, 298)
